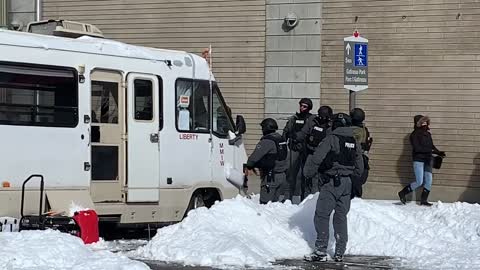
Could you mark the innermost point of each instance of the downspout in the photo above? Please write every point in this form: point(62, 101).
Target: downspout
point(39, 10)
point(3, 12)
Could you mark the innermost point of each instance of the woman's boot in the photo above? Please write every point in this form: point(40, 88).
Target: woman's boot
point(424, 198)
point(404, 193)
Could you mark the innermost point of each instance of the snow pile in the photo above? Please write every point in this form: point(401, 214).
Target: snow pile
point(233, 232)
point(241, 232)
point(445, 236)
point(42, 250)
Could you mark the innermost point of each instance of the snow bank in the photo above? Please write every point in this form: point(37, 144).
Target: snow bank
point(445, 236)
point(241, 232)
point(233, 232)
point(42, 250)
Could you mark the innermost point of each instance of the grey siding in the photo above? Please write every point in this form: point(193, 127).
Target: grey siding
point(292, 68)
point(423, 60)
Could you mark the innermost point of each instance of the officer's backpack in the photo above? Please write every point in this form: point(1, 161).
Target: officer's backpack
point(267, 163)
point(317, 134)
point(346, 156)
point(282, 150)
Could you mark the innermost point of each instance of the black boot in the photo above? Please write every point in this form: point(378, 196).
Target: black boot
point(316, 256)
point(404, 193)
point(424, 198)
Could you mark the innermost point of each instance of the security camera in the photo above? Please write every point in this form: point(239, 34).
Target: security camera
point(289, 22)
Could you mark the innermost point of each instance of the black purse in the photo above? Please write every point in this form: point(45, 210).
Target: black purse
point(437, 162)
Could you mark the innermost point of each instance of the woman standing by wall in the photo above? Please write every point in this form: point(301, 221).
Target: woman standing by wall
point(422, 150)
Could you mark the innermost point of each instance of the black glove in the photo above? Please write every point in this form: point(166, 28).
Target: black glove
point(296, 146)
point(245, 183)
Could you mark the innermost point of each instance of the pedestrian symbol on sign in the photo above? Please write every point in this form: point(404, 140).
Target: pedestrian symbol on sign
point(361, 55)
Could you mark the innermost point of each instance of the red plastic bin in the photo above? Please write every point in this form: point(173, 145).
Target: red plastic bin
point(87, 220)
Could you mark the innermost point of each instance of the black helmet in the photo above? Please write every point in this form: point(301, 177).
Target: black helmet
point(358, 116)
point(325, 112)
point(306, 101)
point(269, 125)
point(341, 120)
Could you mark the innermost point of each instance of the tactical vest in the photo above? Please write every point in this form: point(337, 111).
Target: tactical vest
point(298, 124)
point(317, 134)
point(267, 163)
point(345, 157)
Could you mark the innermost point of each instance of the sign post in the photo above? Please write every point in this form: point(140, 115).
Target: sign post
point(355, 65)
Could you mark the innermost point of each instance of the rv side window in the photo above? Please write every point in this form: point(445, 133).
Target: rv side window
point(34, 95)
point(192, 103)
point(143, 99)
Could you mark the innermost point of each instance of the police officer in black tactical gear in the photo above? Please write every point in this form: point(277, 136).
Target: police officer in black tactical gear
point(313, 132)
point(297, 156)
point(270, 156)
point(362, 136)
point(341, 158)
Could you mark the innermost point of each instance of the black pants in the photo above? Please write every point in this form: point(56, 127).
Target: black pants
point(295, 177)
point(272, 187)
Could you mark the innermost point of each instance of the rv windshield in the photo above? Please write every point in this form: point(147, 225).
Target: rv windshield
point(193, 108)
point(222, 114)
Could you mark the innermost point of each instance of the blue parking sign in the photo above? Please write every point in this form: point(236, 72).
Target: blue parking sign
point(361, 55)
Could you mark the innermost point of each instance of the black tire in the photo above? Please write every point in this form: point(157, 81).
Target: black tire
point(196, 201)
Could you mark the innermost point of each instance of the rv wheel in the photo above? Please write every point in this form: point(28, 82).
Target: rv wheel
point(195, 202)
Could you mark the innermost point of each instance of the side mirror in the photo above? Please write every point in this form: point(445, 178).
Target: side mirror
point(240, 125)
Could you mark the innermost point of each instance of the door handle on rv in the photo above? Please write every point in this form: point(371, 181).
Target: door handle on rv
point(154, 137)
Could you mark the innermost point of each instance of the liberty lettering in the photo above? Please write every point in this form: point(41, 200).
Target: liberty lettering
point(188, 136)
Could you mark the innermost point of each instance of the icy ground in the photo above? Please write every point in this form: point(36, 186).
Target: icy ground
point(240, 232)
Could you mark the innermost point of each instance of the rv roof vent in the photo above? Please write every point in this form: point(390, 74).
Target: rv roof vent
point(64, 29)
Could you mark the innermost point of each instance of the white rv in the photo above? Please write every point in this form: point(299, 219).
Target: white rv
point(141, 135)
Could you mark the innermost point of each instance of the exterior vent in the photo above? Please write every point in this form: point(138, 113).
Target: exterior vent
point(63, 28)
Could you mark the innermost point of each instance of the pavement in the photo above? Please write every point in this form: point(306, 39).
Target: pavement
point(350, 263)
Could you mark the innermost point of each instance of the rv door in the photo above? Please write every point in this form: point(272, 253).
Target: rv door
point(143, 152)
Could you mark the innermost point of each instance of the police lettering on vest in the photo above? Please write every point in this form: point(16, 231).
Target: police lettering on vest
point(299, 123)
point(317, 134)
point(345, 157)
